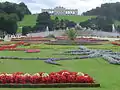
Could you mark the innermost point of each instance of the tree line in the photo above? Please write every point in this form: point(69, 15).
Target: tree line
point(10, 14)
point(107, 14)
point(109, 10)
point(98, 23)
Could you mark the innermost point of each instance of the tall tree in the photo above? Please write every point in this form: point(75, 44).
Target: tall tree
point(56, 23)
point(26, 30)
point(62, 24)
point(8, 23)
point(19, 9)
point(44, 20)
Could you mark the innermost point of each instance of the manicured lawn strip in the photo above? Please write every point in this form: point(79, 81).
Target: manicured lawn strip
point(105, 47)
point(56, 47)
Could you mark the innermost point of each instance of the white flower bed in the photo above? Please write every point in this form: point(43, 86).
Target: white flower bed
point(111, 57)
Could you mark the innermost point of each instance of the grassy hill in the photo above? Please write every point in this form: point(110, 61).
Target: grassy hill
point(30, 20)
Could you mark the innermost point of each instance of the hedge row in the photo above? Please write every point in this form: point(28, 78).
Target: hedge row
point(62, 85)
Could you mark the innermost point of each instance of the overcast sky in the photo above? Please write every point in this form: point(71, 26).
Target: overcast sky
point(35, 6)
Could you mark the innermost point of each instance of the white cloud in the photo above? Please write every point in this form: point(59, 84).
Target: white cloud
point(82, 5)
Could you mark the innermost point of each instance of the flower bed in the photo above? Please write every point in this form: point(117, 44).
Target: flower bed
point(31, 39)
point(108, 55)
point(1, 40)
point(112, 59)
point(116, 43)
point(8, 47)
point(42, 79)
point(13, 47)
point(75, 42)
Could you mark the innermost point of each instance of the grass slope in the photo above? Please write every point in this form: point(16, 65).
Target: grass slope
point(76, 18)
point(30, 20)
point(103, 72)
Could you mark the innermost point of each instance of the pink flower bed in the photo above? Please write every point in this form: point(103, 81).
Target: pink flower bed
point(32, 50)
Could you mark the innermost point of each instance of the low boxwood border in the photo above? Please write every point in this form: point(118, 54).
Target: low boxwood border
point(56, 85)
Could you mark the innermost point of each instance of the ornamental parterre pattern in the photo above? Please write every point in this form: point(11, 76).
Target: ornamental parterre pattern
point(108, 55)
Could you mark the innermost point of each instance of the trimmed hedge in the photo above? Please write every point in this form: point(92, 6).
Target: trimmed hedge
point(56, 85)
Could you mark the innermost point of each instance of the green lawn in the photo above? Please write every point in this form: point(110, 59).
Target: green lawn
point(29, 20)
point(76, 18)
point(105, 47)
point(104, 73)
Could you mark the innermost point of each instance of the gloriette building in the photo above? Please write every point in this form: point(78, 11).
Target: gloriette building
point(61, 11)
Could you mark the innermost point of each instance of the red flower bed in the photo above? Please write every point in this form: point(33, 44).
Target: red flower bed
point(116, 43)
point(4, 47)
point(12, 47)
point(44, 78)
point(9, 46)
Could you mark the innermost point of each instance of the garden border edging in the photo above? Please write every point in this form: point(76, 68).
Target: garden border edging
point(56, 85)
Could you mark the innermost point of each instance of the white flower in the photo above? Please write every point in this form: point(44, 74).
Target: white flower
point(27, 74)
point(2, 74)
point(45, 74)
point(80, 74)
point(65, 72)
point(37, 74)
point(86, 76)
point(9, 74)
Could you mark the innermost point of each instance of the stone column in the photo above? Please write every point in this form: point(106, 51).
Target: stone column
point(72, 12)
point(67, 12)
